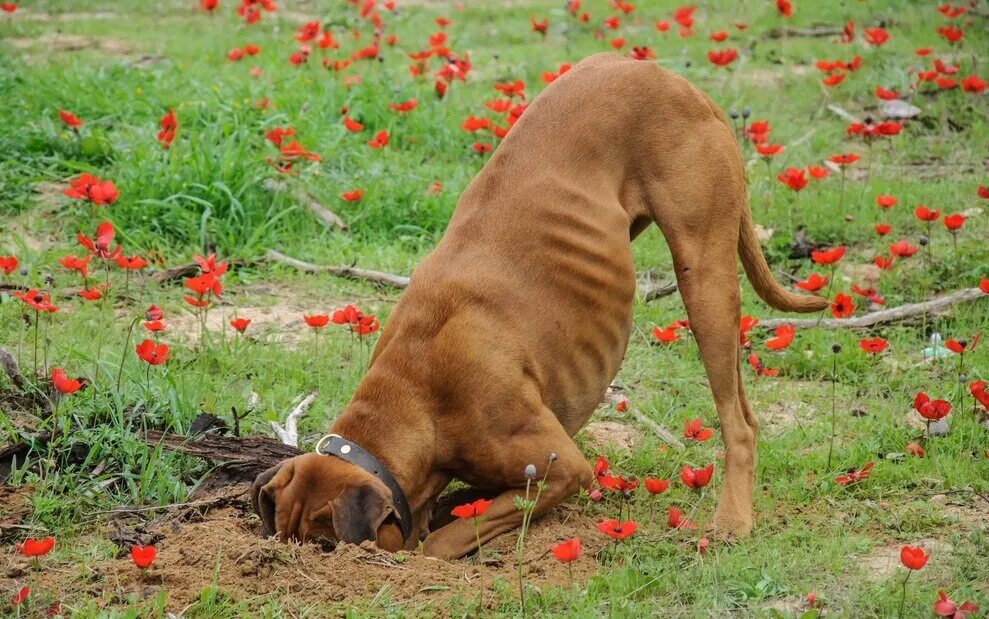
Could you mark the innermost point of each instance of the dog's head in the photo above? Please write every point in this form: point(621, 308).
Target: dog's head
point(325, 499)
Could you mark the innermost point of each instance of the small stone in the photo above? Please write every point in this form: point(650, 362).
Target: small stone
point(939, 499)
point(938, 428)
point(897, 108)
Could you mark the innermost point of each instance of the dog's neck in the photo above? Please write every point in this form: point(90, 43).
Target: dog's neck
point(405, 449)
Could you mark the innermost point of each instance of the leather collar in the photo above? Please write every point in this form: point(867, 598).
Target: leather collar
point(336, 445)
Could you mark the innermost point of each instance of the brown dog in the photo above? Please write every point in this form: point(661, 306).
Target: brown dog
point(514, 326)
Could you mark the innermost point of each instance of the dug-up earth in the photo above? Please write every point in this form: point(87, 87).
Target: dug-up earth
point(197, 549)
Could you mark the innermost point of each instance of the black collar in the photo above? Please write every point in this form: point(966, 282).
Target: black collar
point(335, 445)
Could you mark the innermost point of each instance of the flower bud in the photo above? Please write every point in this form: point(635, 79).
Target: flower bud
point(836, 348)
point(530, 471)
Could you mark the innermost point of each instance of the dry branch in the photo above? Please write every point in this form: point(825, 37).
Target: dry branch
point(289, 434)
point(664, 434)
point(251, 453)
point(328, 217)
point(396, 281)
point(820, 31)
point(652, 292)
point(185, 270)
point(842, 113)
point(886, 316)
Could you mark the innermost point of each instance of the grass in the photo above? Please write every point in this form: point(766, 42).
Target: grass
point(206, 194)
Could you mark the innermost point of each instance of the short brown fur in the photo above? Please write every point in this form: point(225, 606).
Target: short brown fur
point(514, 326)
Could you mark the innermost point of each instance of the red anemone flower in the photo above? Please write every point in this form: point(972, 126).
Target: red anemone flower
point(276, 134)
point(944, 607)
point(873, 346)
point(829, 256)
point(974, 84)
point(954, 222)
point(352, 196)
point(539, 26)
point(666, 336)
point(240, 324)
point(36, 300)
point(854, 476)
point(99, 245)
point(675, 520)
point(130, 263)
point(760, 369)
point(568, 551)
point(842, 306)
point(886, 95)
point(793, 178)
point(317, 321)
point(70, 119)
point(151, 353)
point(471, 510)
point(882, 229)
point(885, 201)
point(8, 264)
point(143, 556)
point(36, 547)
point(380, 140)
point(785, 7)
point(405, 106)
point(168, 128)
point(913, 558)
point(818, 172)
point(813, 283)
point(876, 36)
point(844, 159)
point(768, 150)
point(784, 337)
point(63, 384)
point(902, 249)
point(693, 430)
point(722, 57)
point(618, 530)
point(22, 594)
point(931, 410)
point(925, 214)
point(696, 478)
point(656, 486)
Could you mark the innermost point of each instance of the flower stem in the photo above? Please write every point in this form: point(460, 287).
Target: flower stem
point(123, 354)
point(834, 380)
point(903, 598)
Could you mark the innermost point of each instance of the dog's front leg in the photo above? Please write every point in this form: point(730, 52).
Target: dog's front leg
point(568, 473)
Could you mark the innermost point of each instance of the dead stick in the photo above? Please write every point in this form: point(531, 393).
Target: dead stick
point(660, 431)
point(328, 217)
point(893, 314)
point(657, 291)
point(842, 113)
point(254, 452)
point(396, 281)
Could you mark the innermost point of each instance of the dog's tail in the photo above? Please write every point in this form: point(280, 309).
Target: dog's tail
point(758, 272)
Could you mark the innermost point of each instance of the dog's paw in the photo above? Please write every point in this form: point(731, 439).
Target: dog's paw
point(731, 525)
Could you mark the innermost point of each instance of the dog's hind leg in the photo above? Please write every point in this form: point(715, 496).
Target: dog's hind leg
point(699, 216)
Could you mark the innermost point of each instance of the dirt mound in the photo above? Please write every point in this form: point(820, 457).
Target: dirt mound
point(223, 549)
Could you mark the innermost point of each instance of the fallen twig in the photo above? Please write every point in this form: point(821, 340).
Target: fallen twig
point(893, 314)
point(185, 270)
point(328, 217)
point(819, 31)
point(247, 454)
point(289, 434)
point(652, 292)
point(842, 113)
point(659, 430)
point(396, 281)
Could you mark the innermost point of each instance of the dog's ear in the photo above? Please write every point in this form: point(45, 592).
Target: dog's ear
point(359, 511)
point(263, 500)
